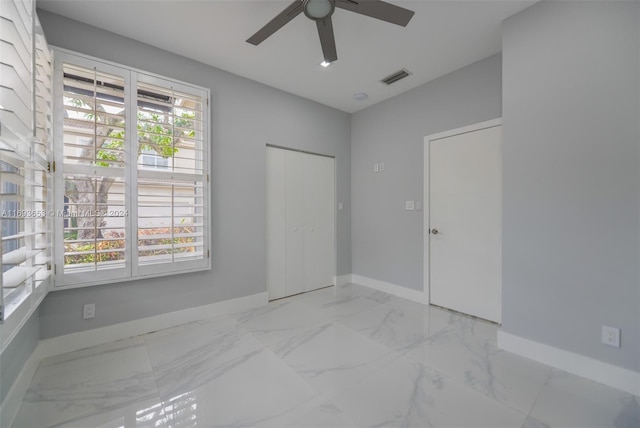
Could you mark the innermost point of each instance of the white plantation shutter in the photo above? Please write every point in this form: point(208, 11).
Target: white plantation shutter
point(94, 117)
point(24, 229)
point(92, 172)
point(25, 226)
point(16, 74)
point(43, 91)
point(171, 201)
point(134, 149)
point(42, 186)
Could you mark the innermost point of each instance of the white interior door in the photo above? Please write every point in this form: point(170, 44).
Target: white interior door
point(465, 220)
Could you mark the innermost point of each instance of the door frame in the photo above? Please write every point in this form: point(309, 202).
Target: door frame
point(426, 265)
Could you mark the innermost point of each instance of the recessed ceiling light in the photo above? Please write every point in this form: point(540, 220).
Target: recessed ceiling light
point(325, 64)
point(360, 96)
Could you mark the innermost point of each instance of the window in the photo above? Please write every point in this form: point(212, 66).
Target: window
point(25, 137)
point(131, 173)
point(170, 202)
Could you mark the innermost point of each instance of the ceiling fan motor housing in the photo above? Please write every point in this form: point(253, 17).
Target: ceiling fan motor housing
point(318, 9)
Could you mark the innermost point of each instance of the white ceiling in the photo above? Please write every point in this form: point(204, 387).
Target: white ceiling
point(443, 36)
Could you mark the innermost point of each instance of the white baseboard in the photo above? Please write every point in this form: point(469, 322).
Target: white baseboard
point(11, 404)
point(343, 280)
point(84, 339)
point(580, 365)
point(393, 289)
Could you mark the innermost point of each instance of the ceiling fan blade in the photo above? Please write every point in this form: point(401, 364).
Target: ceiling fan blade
point(327, 40)
point(293, 10)
point(378, 9)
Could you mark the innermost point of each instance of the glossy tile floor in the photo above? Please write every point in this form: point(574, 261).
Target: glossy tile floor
point(347, 357)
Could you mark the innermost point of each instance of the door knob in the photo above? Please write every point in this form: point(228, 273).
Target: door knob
point(434, 231)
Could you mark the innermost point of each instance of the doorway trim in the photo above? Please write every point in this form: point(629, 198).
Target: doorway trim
point(426, 268)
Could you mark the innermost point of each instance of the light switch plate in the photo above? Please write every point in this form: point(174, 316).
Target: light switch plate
point(410, 205)
point(376, 167)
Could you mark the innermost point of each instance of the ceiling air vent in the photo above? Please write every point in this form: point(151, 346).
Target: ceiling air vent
point(398, 75)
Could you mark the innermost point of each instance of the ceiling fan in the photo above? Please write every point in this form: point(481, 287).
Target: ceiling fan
point(321, 11)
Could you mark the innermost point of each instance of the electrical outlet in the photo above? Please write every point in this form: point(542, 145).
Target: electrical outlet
point(611, 336)
point(410, 205)
point(381, 166)
point(89, 311)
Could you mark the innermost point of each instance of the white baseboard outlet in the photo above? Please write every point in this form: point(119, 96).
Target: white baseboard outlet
point(393, 289)
point(580, 365)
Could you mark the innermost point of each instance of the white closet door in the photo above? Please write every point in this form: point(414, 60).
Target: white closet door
point(295, 222)
point(301, 237)
point(276, 222)
point(319, 259)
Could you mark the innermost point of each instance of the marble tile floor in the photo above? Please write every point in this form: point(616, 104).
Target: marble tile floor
point(336, 357)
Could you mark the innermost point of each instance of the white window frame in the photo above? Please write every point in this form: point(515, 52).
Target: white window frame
point(132, 271)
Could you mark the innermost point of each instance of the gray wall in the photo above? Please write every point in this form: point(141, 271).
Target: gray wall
point(387, 241)
point(245, 116)
point(571, 176)
point(17, 352)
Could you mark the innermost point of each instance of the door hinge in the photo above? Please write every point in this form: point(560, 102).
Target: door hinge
point(208, 254)
point(51, 166)
point(207, 102)
point(1, 313)
point(55, 269)
point(207, 178)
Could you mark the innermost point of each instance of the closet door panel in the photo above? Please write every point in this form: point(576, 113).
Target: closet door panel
point(319, 221)
point(276, 223)
point(295, 222)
